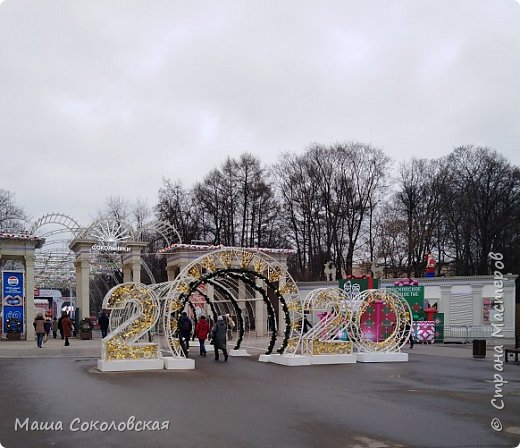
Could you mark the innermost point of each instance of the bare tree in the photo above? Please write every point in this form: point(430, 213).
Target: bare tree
point(140, 212)
point(238, 204)
point(481, 198)
point(391, 240)
point(176, 206)
point(418, 202)
point(327, 194)
point(12, 216)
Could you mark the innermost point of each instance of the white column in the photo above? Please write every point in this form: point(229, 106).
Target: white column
point(82, 285)
point(509, 311)
point(127, 273)
point(136, 270)
point(171, 271)
point(444, 303)
point(477, 304)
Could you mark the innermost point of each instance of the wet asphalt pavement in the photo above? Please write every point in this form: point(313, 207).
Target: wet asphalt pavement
point(431, 401)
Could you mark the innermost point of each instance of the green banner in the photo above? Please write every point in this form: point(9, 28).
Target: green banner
point(439, 327)
point(414, 295)
point(353, 286)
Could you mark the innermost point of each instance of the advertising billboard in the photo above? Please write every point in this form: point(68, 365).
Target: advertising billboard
point(12, 299)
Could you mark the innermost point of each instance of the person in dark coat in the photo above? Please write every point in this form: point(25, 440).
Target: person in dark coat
point(103, 322)
point(218, 335)
point(185, 326)
point(39, 329)
point(201, 332)
point(306, 325)
point(66, 325)
point(60, 326)
point(47, 326)
point(54, 326)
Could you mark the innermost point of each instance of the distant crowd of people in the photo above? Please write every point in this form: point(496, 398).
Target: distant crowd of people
point(218, 333)
point(43, 327)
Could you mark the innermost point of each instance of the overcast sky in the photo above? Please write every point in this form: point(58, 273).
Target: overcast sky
point(107, 98)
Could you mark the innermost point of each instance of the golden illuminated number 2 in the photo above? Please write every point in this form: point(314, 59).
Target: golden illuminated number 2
point(323, 337)
point(144, 310)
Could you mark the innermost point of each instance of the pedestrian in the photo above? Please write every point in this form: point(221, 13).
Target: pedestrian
point(66, 325)
point(54, 326)
point(103, 322)
point(218, 336)
point(185, 327)
point(230, 325)
point(306, 325)
point(60, 326)
point(47, 326)
point(201, 331)
point(39, 328)
point(408, 329)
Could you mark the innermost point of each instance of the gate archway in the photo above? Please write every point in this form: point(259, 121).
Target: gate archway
point(220, 269)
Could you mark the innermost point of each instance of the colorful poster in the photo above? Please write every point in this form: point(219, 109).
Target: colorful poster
point(12, 301)
point(486, 311)
point(12, 288)
point(13, 318)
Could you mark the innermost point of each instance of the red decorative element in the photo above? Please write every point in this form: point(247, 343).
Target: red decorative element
point(406, 282)
point(362, 277)
point(20, 236)
point(426, 331)
point(430, 266)
point(430, 313)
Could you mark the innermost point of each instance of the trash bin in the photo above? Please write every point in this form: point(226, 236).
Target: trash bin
point(479, 348)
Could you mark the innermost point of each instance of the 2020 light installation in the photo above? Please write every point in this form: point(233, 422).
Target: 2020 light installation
point(341, 328)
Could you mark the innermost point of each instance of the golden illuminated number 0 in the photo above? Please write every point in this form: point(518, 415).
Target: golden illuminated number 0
point(121, 343)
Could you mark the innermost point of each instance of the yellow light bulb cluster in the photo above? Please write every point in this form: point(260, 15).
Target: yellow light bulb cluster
point(209, 263)
point(292, 343)
point(226, 258)
point(195, 271)
point(183, 287)
point(288, 288)
point(121, 344)
point(260, 265)
point(274, 274)
point(245, 258)
point(331, 347)
point(294, 305)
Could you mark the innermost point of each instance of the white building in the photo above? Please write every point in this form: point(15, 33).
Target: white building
point(473, 303)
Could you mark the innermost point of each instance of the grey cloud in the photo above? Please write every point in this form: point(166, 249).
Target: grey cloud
point(109, 97)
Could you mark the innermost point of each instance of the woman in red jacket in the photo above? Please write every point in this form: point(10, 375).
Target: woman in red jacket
point(201, 331)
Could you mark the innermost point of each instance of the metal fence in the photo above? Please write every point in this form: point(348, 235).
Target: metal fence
point(466, 333)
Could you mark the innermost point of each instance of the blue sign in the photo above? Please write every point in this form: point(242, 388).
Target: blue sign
point(12, 301)
point(12, 284)
point(13, 318)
